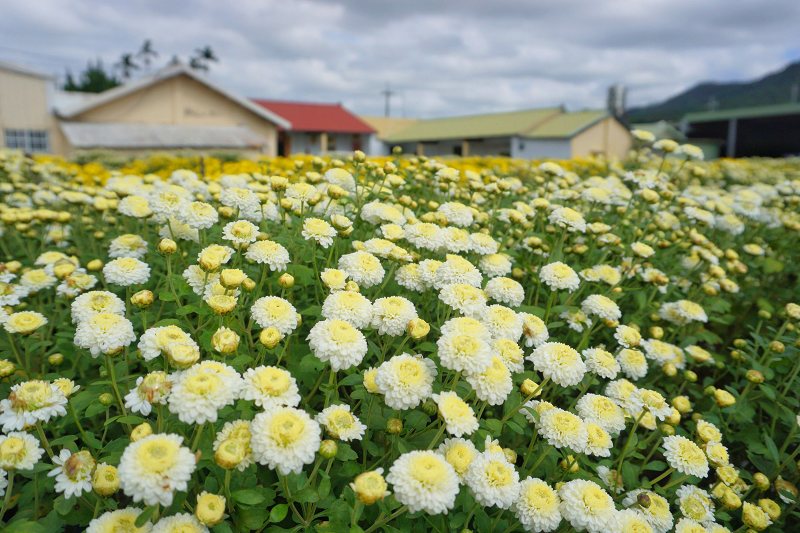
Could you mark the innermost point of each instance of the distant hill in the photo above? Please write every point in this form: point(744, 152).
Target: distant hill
point(775, 88)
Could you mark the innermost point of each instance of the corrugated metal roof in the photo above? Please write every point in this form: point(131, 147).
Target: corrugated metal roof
point(743, 112)
point(140, 136)
point(474, 126)
point(566, 125)
point(386, 126)
point(316, 117)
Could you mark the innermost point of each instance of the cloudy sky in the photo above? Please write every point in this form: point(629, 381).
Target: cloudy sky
point(440, 58)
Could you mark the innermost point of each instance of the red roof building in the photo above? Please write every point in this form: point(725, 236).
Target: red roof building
point(317, 128)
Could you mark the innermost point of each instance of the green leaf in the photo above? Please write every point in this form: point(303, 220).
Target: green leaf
point(345, 453)
point(247, 497)
point(63, 506)
point(253, 517)
point(307, 495)
point(772, 449)
point(278, 513)
point(144, 517)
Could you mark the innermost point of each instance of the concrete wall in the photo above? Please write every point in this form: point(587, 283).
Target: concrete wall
point(182, 100)
point(311, 143)
point(24, 105)
point(607, 137)
point(541, 148)
point(479, 147)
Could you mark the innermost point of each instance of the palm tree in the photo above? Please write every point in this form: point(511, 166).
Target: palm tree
point(202, 58)
point(126, 65)
point(147, 53)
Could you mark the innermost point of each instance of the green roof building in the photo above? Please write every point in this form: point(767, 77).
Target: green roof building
point(541, 133)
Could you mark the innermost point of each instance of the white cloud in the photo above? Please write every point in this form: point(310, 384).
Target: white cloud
point(441, 57)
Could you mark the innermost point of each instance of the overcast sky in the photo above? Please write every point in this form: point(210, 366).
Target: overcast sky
point(441, 58)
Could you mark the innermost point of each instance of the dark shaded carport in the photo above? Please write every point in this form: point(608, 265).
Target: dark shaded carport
point(767, 131)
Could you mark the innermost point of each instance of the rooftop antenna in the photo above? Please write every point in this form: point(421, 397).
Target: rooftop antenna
point(387, 95)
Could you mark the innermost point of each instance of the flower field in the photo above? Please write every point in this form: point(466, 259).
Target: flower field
point(400, 344)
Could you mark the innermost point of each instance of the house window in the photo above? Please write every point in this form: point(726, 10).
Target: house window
point(331, 142)
point(521, 145)
point(27, 140)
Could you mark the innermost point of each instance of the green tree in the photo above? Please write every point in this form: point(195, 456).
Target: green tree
point(93, 79)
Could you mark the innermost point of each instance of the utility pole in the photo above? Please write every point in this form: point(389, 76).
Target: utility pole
point(387, 95)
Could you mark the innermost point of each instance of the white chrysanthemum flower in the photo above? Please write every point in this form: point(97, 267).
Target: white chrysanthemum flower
point(601, 362)
point(350, 306)
point(494, 265)
point(37, 279)
point(587, 507)
point(563, 429)
point(363, 268)
point(687, 525)
point(181, 522)
point(568, 218)
point(340, 423)
point(537, 506)
point(456, 240)
point(559, 276)
point(457, 269)
point(456, 213)
point(494, 383)
point(73, 473)
point(135, 206)
point(464, 352)
point(175, 229)
point(199, 215)
point(275, 312)
point(285, 438)
point(502, 322)
point(611, 479)
point(19, 451)
point(598, 441)
point(155, 341)
point(459, 453)
point(655, 403)
point(234, 440)
point(268, 253)
point(685, 456)
point(627, 337)
point(493, 480)
point(153, 468)
point(270, 386)
point(601, 306)
point(466, 299)
point(319, 231)
point(410, 277)
point(534, 330)
point(483, 244)
point(463, 325)
point(511, 354)
point(126, 271)
point(22, 322)
point(506, 291)
point(240, 232)
point(424, 481)
point(94, 302)
point(602, 411)
point(558, 362)
point(682, 312)
point(459, 419)
point(128, 245)
point(695, 503)
point(633, 363)
point(391, 315)
point(31, 402)
point(405, 380)
point(626, 394)
point(658, 514)
point(199, 280)
point(425, 236)
point(631, 520)
point(201, 391)
point(337, 342)
point(104, 333)
point(121, 520)
point(151, 389)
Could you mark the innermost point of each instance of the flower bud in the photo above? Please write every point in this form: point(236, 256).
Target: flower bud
point(248, 284)
point(369, 381)
point(328, 449)
point(770, 507)
point(106, 398)
point(764, 314)
point(142, 299)
point(394, 426)
point(105, 480)
point(530, 388)
point(62, 270)
point(761, 481)
point(670, 370)
point(370, 487)
point(94, 265)
point(724, 398)
point(776, 346)
point(231, 278)
point(7, 367)
point(225, 341)
point(754, 376)
point(222, 304)
point(418, 329)
point(656, 332)
point(55, 359)
point(690, 375)
point(141, 431)
point(167, 246)
point(230, 453)
point(643, 500)
point(351, 286)
point(210, 508)
point(754, 516)
point(286, 280)
point(511, 455)
point(569, 463)
point(270, 337)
